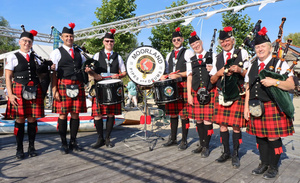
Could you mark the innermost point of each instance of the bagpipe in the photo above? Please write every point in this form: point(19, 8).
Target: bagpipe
point(90, 62)
point(232, 89)
point(203, 94)
point(43, 70)
point(277, 95)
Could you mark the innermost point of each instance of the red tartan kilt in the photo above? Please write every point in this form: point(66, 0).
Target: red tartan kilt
point(67, 104)
point(25, 108)
point(98, 109)
point(231, 115)
point(202, 112)
point(272, 124)
point(179, 107)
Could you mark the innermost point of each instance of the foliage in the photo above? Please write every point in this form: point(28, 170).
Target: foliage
point(111, 11)
point(240, 23)
point(162, 34)
point(7, 44)
point(295, 37)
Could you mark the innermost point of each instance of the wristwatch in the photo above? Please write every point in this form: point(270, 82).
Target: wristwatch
point(277, 83)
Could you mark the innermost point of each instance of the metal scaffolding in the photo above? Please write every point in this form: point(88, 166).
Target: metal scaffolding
point(204, 8)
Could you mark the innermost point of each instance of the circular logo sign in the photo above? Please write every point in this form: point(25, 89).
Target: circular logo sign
point(145, 65)
point(168, 91)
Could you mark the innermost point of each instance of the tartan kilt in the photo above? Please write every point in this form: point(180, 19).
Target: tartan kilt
point(67, 104)
point(272, 124)
point(231, 115)
point(179, 107)
point(26, 108)
point(98, 109)
point(202, 112)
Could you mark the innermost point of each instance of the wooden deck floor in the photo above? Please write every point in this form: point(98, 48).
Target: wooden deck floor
point(131, 161)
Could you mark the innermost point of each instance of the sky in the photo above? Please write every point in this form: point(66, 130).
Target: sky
point(40, 15)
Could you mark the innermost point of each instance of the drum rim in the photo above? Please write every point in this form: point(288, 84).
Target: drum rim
point(127, 63)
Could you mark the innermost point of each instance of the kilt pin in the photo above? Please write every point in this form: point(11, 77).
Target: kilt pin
point(26, 108)
point(181, 106)
point(67, 104)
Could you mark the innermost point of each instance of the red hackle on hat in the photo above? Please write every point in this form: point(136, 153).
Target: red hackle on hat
point(193, 34)
point(72, 25)
point(113, 31)
point(227, 29)
point(33, 32)
point(263, 31)
point(177, 29)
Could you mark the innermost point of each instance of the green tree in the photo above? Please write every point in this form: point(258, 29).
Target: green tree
point(295, 37)
point(111, 11)
point(241, 24)
point(6, 43)
point(162, 34)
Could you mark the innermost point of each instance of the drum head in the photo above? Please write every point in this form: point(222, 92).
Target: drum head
point(109, 81)
point(145, 65)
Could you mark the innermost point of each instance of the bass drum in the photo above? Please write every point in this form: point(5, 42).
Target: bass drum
point(166, 91)
point(110, 91)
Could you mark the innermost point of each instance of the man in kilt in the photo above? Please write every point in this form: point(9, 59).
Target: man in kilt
point(231, 115)
point(272, 124)
point(110, 64)
point(198, 77)
point(68, 89)
point(176, 62)
point(20, 72)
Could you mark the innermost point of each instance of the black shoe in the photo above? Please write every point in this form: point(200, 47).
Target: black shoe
point(73, 146)
point(271, 173)
point(64, 149)
point(108, 143)
point(260, 169)
point(235, 161)
point(170, 143)
point(197, 150)
point(224, 157)
point(182, 146)
point(20, 154)
point(31, 151)
point(99, 143)
point(205, 152)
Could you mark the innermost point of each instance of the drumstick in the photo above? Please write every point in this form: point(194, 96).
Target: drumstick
point(171, 73)
point(111, 76)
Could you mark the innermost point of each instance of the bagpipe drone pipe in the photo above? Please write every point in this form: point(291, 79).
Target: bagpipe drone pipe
point(233, 85)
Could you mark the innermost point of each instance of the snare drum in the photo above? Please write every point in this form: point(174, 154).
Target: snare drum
point(110, 91)
point(166, 91)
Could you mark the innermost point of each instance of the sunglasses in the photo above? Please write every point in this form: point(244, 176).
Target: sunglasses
point(178, 39)
point(109, 41)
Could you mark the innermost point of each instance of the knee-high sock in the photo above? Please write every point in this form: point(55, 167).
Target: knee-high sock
point(263, 148)
point(109, 126)
point(201, 133)
point(208, 131)
point(19, 133)
point(185, 128)
point(174, 126)
point(99, 127)
point(236, 139)
point(225, 141)
point(31, 130)
point(74, 126)
point(62, 129)
point(275, 150)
